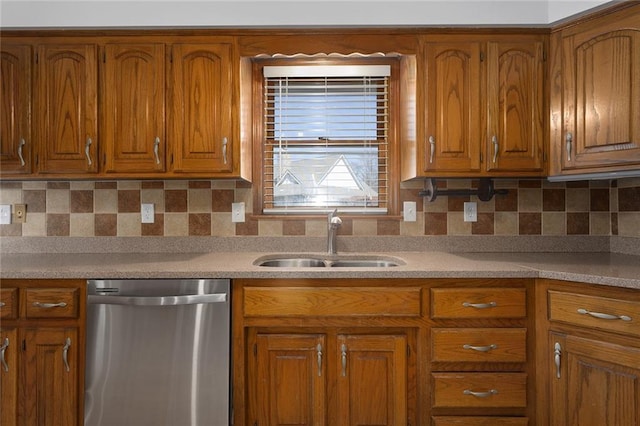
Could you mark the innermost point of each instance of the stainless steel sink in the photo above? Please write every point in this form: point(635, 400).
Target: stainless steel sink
point(346, 261)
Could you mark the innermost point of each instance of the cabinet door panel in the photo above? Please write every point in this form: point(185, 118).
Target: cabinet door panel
point(201, 118)
point(134, 102)
point(291, 374)
point(15, 112)
point(67, 108)
point(51, 377)
point(453, 107)
point(372, 380)
point(9, 377)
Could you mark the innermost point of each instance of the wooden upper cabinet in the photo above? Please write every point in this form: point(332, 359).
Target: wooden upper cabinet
point(16, 144)
point(67, 109)
point(133, 123)
point(598, 94)
point(200, 117)
point(515, 105)
point(451, 140)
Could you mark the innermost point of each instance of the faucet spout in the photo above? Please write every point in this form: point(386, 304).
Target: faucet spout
point(333, 223)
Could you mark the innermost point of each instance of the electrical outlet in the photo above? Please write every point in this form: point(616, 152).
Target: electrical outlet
point(19, 213)
point(470, 212)
point(147, 213)
point(5, 214)
point(237, 212)
point(409, 210)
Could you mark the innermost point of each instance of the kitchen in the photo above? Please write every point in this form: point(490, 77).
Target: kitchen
point(584, 231)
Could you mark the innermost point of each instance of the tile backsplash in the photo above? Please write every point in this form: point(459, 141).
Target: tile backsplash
point(203, 208)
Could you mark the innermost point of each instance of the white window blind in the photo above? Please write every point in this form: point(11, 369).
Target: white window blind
point(326, 138)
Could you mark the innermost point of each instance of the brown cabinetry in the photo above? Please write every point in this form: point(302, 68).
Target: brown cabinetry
point(595, 94)
point(592, 355)
point(42, 349)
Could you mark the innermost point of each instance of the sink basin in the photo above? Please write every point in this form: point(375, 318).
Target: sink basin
point(306, 261)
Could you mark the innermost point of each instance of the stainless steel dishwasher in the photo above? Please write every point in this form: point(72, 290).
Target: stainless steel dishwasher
point(158, 353)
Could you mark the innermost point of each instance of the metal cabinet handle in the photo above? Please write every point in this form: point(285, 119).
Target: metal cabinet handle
point(2, 304)
point(87, 152)
point(343, 358)
point(480, 305)
point(480, 348)
point(65, 353)
point(432, 151)
point(557, 353)
point(569, 141)
point(480, 394)
point(20, 145)
point(604, 316)
point(496, 146)
point(319, 351)
point(50, 305)
point(225, 142)
point(3, 348)
point(156, 146)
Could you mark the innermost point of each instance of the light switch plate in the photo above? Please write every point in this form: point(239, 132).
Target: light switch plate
point(5, 214)
point(470, 212)
point(409, 210)
point(147, 213)
point(237, 212)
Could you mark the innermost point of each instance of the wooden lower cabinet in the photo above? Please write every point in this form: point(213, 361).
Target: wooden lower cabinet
point(9, 376)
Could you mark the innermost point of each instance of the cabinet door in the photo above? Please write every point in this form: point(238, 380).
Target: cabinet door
point(594, 383)
point(50, 371)
point(16, 144)
point(515, 89)
point(67, 108)
point(453, 99)
point(372, 380)
point(8, 376)
point(291, 380)
point(601, 71)
point(201, 113)
point(134, 101)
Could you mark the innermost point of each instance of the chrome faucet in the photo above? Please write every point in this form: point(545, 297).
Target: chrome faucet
point(333, 223)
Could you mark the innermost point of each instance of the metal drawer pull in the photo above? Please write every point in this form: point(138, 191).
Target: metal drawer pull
point(319, 349)
point(604, 316)
point(65, 353)
point(557, 353)
point(569, 141)
point(481, 348)
point(87, 154)
point(2, 304)
point(496, 146)
point(432, 143)
point(20, 145)
point(50, 305)
point(480, 394)
point(3, 348)
point(225, 142)
point(156, 145)
point(343, 357)
point(480, 305)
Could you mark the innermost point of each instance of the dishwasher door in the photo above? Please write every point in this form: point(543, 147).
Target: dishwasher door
point(158, 353)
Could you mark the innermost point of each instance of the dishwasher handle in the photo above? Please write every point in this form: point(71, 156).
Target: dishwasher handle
point(190, 299)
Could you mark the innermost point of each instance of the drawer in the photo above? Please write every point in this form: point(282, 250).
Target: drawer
point(490, 390)
point(332, 301)
point(9, 303)
point(479, 344)
point(479, 421)
point(478, 303)
point(622, 316)
point(51, 302)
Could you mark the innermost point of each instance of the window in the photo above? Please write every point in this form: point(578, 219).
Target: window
point(325, 138)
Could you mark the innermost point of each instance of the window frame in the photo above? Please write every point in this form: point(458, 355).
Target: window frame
point(393, 145)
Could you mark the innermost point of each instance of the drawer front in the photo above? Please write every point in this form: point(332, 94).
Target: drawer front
point(51, 302)
point(478, 303)
point(332, 301)
point(490, 390)
point(479, 344)
point(597, 312)
point(9, 303)
point(479, 421)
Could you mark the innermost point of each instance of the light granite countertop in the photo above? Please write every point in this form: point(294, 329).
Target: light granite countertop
point(619, 270)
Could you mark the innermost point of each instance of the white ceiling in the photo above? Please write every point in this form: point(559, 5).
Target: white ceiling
point(121, 13)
